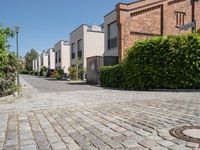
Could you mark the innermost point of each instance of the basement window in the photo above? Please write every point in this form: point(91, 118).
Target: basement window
point(180, 18)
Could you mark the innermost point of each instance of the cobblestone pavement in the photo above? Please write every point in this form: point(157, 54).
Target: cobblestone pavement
point(97, 120)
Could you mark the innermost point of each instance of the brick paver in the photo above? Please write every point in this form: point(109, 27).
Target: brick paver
point(98, 120)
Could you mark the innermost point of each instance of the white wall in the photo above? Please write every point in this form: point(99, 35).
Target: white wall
point(39, 63)
point(76, 35)
point(33, 65)
point(108, 19)
point(64, 47)
point(51, 58)
point(93, 43)
point(44, 59)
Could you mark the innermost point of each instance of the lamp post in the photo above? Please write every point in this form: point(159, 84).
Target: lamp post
point(17, 48)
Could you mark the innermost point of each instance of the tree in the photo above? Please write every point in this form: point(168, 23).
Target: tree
point(8, 64)
point(29, 57)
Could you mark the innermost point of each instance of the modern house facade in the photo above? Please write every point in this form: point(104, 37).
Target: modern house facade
point(62, 55)
point(51, 58)
point(39, 63)
point(130, 22)
point(86, 41)
point(35, 65)
point(44, 59)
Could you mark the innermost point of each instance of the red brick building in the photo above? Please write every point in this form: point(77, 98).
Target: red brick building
point(146, 18)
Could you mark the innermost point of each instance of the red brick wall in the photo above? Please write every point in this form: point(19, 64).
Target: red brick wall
point(142, 20)
point(197, 14)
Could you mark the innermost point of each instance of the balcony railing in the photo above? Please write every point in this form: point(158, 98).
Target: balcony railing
point(94, 28)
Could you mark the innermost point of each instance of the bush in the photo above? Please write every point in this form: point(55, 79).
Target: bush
point(112, 76)
point(162, 62)
point(43, 71)
point(61, 73)
point(54, 74)
point(24, 72)
point(198, 31)
point(73, 73)
point(37, 73)
point(9, 64)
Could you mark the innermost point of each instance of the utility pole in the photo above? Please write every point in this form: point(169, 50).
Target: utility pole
point(17, 48)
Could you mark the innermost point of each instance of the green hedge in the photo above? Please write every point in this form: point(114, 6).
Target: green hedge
point(111, 76)
point(163, 62)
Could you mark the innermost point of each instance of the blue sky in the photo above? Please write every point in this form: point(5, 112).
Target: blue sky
point(44, 22)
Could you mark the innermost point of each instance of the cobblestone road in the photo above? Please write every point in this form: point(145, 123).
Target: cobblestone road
point(97, 119)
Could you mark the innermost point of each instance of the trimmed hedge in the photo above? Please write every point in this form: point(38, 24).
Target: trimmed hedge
point(162, 62)
point(112, 76)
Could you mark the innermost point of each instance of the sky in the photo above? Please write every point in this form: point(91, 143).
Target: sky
point(45, 22)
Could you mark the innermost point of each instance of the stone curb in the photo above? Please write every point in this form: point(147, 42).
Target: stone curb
point(10, 97)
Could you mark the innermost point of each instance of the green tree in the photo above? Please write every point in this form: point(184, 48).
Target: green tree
point(29, 57)
point(8, 63)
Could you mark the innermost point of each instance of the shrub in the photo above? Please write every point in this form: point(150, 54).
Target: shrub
point(43, 71)
point(24, 72)
point(73, 73)
point(9, 64)
point(54, 74)
point(61, 73)
point(198, 31)
point(112, 76)
point(162, 62)
point(37, 73)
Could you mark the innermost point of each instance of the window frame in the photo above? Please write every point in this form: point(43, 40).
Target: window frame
point(73, 55)
point(109, 39)
point(180, 18)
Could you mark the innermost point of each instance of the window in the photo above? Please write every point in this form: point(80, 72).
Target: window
point(56, 57)
point(49, 60)
point(180, 18)
point(59, 56)
point(79, 47)
point(73, 51)
point(112, 35)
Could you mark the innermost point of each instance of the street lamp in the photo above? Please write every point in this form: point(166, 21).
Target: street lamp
point(17, 48)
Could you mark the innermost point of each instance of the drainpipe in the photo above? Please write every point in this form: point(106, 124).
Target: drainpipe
point(193, 15)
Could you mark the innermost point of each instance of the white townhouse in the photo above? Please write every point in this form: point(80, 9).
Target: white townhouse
point(86, 41)
point(62, 55)
point(51, 58)
point(38, 63)
point(34, 65)
point(44, 59)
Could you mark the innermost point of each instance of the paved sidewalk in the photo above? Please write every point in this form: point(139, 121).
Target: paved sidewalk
point(98, 120)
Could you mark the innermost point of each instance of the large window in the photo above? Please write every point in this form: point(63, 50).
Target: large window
point(73, 51)
point(180, 18)
point(112, 35)
point(79, 47)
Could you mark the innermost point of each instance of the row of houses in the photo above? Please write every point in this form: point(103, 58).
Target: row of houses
point(122, 27)
point(85, 41)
